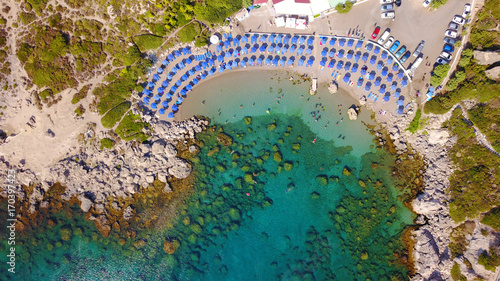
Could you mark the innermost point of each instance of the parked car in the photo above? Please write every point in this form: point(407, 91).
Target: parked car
point(441, 60)
point(398, 3)
point(389, 42)
point(453, 26)
point(451, 41)
point(387, 7)
point(467, 9)
point(400, 52)
point(419, 48)
point(458, 19)
point(385, 1)
point(394, 46)
point(375, 32)
point(426, 3)
point(384, 36)
point(448, 48)
point(405, 56)
point(451, 33)
point(388, 15)
point(446, 56)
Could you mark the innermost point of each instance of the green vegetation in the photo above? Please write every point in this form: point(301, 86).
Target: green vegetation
point(492, 218)
point(189, 32)
point(489, 261)
point(81, 94)
point(131, 127)
point(487, 118)
point(45, 95)
point(458, 78)
point(459, 243)
point(216, 11)
point(147, 42)
point(484, 34)
point(456, 274)
point(344, 8)
point(80, 110)
point(439, 74)
point(415, 124)
point(107, 143)
point(438, 3)
point(477, 171)
point(114, 115)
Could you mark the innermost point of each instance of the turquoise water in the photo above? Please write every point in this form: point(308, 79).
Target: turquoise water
point(269, 204)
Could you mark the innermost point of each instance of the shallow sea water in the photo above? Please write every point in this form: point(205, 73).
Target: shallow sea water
point(269, 205)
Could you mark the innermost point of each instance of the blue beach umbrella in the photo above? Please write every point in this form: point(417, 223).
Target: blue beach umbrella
point(379, 65)
point(372, 61)
point(389, 61)
point(331, 64)
point(220, 58)
point(400, 74)
point(387, 97)
point(156, 77)
point(389, 77)
point(384, 55)
point(146, 100)
point(309, 51)
point(340, 54)
point(204, 64)
point(221, 69)
point(154, 105)
point(268, 61)
point(397, 94)
point(228, 54)
point(299, 51)
point(331, 53)
point(253, 39)
point(177, 54)
point(164, 84)
point(189, 61)
point(159, 70)
point(253, 50)
point(339, 65)
point(218, 49)
point(341, 42)
point(195, 81)
point(197, 68)
point(211, 71)
point(369, 46)
point(359, 44)
point(262, 38)
point(377, 82)
point(171, 115)
point(178, 83)
point(360, 82)
point(347, 66)
point(271, 39)
point(302, 40)
point(164, 103)
point(310, 41)
point(184, 77)
point(289, 62)
point(170, 57)
point(250, 62)
point(282, 62)
point(259, 60)
point(184, 51)
point(350, 43)
point(191, 72)
point(371, 76)
point(270, 49)
point(175, 107)
point(234, 64)
point(393, 87)
point(211, 62)
point(236, 42)
point(364, 57)
point(322, 63)
point(228, 66)
point(404, 83)
point(323, 41)
point(284, 49)
point(161, 111)
point(244, 39)
point(349, 55)
point(279, 38)
point(346, 78)
point(169, 77)
point(354, 68)
point(357, 56)
point(332, 42)
point(376, 51)
point(401, 110)
point(384, 72)
point(244, 50)
point(160, 90)
point(395, 67)
point(189, 87)
point(181, 65)
point(286, 39)
point(310, 62)
point(227, 44)
point(323, 53)
point(275, 62)
point(243, 63)
point(183, 92)
point(179, 100)
point(262, 48)
point(301, 62)
point(292, 49)
point(294, 40)
point(173, 89)
point(367, 86)
point(168, 96)
point(381, 90)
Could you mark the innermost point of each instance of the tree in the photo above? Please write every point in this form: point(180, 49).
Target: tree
point(344, 8)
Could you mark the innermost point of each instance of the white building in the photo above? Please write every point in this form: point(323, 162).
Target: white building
point(309, 8)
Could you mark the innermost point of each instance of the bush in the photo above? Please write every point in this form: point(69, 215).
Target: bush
point(107, 143)
point(438, 3)
point(147, 42)
point(439, 74)
point(492, 218)
point(490, 262)
point(80, 110)
point(131, 127)
point(114, 115)
point(415, 123)
point(344, 8)
point(189, 32)
point(81, 94)
point(456, 275)
point(216, 11)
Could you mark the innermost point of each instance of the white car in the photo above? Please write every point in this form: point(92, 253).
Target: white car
point(453, 26)
point(389, 42)
point(385, 1)
point(450, 41)
point(459, 20)
point(451, 33)
point(441, 60)
point(386, 7)
point(446, 56)
point(426, 3)
point(467, 9)
point(388, 15)
point(384, 36)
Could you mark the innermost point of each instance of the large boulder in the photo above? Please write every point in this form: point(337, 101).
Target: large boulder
point(352, 112)
point(180, 168)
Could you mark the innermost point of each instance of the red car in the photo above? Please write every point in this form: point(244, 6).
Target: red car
point(375, 32)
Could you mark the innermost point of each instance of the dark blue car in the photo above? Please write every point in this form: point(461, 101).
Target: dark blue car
point(448, 48)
